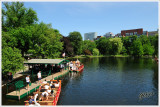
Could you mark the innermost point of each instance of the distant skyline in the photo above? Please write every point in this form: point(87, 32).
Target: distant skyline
point(100, 17)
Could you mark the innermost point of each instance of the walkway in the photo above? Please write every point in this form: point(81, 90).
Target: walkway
point(23, 92)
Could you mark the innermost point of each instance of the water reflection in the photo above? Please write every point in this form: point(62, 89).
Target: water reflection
point(114, 81)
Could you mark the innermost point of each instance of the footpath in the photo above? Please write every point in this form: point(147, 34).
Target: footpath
point(17, 75)
point(23, 92)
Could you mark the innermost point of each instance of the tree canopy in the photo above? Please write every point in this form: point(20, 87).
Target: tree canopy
point(76, 40)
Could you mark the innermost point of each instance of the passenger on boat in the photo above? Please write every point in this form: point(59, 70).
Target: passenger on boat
point(44, 95)
point(46, 86)
point(49, 90)
point(45, 81)
point(56, 84)
point(71, 65)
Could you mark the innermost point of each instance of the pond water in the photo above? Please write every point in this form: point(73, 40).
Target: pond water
point(109, 81)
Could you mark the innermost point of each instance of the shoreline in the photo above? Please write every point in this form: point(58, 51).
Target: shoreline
point(88, 56)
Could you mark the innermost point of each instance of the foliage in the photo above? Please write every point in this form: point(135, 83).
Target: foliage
point(87, 52)
point(144, 39)
point(89, 45)
point(11, 60)
point(22, 36)
point(95, 52)
point(15, 15)
point(67, 46)
point(116, 45)
point(155, 44)
point(126, 43)
point(45, 41)
point(124, 51)
point(148, 49)
point(76, 40)
point(103, 45)
point(137, 48)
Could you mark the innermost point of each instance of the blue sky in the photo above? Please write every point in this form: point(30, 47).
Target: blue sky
point(100, 17)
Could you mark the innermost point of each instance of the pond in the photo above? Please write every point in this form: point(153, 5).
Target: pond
point(109, 81)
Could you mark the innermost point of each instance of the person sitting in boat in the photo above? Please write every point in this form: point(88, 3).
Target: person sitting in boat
point(52, 85)
point(74, 68)
point(45, 81)
point(46, 87)
point(49, 90)
point(44, 95)
point(71, 65)
point(52, 93)
point(56, 84)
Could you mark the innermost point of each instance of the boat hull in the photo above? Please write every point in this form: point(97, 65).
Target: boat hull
point(79, 70)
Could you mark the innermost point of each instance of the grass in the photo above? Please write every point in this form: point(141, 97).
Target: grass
point(89, 56)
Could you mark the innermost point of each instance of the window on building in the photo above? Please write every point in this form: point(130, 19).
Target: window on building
point(135, 33)
point(127, 34)
point(131, 33)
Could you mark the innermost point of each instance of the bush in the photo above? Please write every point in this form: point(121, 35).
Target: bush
point(95, 52)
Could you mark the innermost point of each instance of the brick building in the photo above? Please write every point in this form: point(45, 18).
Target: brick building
point(131, 32)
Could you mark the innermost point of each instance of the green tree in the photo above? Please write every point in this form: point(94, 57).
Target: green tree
point(144, 39)
point(45, 41)
point(104, 45)
point(148, 49)
point(137, 48)
point(11, 60)
point(89, 45)
point(23, 37)
point(76, 40)
point(155, 44)
point(15, 15)
point(95, 52)
point(127, 44)
point(116, 45)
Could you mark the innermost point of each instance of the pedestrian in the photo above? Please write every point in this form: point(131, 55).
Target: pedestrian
point(27, 81)
point(39, 76)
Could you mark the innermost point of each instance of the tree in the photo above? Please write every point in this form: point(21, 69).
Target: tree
point(11, 60)
point(144, 39)
point(76, 40)
point(116, 45)
point(126, 44)
point(15, 15)
point(155, 44)
point(148, 49)
point(95, 52)
point(67, 46)
point(103, 45)
point(137, 48)
point(89, 45)
point(22, 37)
point(46, 41)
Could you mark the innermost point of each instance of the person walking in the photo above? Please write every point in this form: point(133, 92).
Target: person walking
point(27, 81)
point(39, 76)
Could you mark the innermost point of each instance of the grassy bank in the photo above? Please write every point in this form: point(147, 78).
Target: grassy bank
point(89, 56)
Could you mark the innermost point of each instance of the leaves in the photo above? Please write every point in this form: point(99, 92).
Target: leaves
point(76, 41)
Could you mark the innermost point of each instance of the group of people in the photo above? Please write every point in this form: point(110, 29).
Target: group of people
point(74, 65)
point(47, 89)
point(28, 81)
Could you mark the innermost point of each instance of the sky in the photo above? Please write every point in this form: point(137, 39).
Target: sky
point(100, 17)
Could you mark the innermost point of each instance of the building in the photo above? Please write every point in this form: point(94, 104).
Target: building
point(131, 32)
point(152, 33)
point(98, 37)
point(109, 35)
point(90, 36)
point(118, 35)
